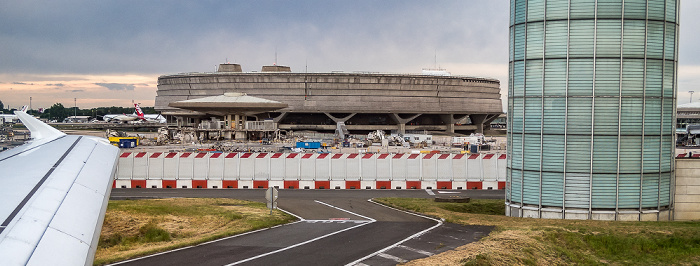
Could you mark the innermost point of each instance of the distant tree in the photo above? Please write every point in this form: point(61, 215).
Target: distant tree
point(2, 106)
point(56, 112)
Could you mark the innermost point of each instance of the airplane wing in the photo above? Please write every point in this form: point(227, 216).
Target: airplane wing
point(53, 196)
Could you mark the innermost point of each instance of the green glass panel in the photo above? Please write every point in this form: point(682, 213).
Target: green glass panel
point(533, 77)
point(656, 9)
point(582, 9)
point(553, 153)
point(633, 77)
point(535, 40)
point(578, 154)
point(579, 116)
point(518, 79)
point(557, 41)
point(517, 151)
point(609, 9)
point(631, 116)
point(520, 8)
point(604, 191)
point(533, 115)
point(630, 154)
point(669, 78)
point(557, 9)
point(635, 9)
point(628, 191)
point(650, 190)
point(581, 36)
point(535, 10)
point(607, 77)
point(580, 77)
point(519, 43)
point(608, 39)
point(517, 123)
point(655, 40)
point(670, 41)
point(555, 112)
point(633, 41)
point(654, 78)
point(652, 117)
point(531, 154)
point(552, 189)
point(555, 77)
point(604, 154)
point(516, 185)
point(531, 190)
point(606, 116)
point(652, 155)
point(671, 10)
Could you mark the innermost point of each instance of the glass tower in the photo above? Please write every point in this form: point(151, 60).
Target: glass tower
point(591, 105)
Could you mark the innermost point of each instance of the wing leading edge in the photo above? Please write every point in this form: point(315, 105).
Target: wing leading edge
point(55, 192)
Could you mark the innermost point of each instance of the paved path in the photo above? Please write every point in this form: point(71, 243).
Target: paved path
point(337, 227)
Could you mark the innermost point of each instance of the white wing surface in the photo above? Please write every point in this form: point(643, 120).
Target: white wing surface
point(53, 195)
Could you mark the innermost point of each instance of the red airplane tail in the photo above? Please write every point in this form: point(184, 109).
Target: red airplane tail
point(139, 113)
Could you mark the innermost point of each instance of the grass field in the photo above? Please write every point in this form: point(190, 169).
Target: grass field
point(134, 228)
point(525, 241)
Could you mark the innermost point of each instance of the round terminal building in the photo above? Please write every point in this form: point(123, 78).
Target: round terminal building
point(433, 101)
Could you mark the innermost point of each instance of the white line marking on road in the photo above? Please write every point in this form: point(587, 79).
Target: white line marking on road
point(336, 221)
point(361, 264)
point(298, 217)
point(439, 223)
point(416, 250)
point(358, 215)
point(430, 192)
point(392, 257)
point(449, 192)
point(310, 240)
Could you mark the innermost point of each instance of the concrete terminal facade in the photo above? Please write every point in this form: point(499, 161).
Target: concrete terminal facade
point(363, 101)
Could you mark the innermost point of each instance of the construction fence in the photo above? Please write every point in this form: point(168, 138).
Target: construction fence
point(311, 170)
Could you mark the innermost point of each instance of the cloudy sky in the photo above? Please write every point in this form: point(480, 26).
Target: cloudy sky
point(110, 53)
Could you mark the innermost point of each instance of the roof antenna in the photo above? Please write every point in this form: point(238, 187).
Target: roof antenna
point(275, 55)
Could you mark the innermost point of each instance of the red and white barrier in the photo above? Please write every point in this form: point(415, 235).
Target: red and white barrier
point(311, 170)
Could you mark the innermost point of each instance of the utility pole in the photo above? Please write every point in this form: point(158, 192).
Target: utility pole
point(75, 105)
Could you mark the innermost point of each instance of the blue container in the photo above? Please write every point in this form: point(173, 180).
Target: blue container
point(127, 143)
point(309, 145)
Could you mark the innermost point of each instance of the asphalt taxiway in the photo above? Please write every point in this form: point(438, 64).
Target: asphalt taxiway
point(335, 227)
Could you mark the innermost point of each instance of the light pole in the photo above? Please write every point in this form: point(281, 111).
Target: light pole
point(691, 96)
point(75, 105)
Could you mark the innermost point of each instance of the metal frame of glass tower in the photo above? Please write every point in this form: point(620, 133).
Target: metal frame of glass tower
point(591, 105)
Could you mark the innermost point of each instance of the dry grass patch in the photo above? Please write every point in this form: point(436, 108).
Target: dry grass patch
point(134, 228)
point(526, 241)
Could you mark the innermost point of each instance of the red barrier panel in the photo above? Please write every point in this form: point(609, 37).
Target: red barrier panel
point(138, 183)
point(383, 184)
point(169, 183)
point(444, 185)
point(413, 184)
point(323, 184)
point(230, 184)
point(291, 184)
point(260, 184)
point(501, 184)
point(199, 183)
point(114, 184)
point(352, 185)
point(474, 185)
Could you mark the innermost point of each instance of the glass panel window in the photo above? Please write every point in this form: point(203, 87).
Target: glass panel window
point(581, 38)
point(533, 78)
point(555, 77)
point(652, 117)
point(608, 38)
point(635, 9)
point(656, 9)
point(633, 77)
point(557, 9)
point(606, 116)
point(655, 39)
point(631, 116)
point(582, 9)
point(607, 77)
point(609, 9)
point(535, 40)
point(670, 41)
point(518, 79)
point(580, 77)
point(553, 153)
point(579, 116)
point(519, 44)
point(533, 115)
point(654, 78)
point(555, 111)
point(605, 154)
point(633, 41)
point(556, 38)
point(535, 10)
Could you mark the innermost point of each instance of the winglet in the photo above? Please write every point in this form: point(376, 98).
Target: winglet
point(39, 129)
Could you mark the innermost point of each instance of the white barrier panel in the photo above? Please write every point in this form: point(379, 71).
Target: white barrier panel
point(352, 166)
point(186, 170)
point(413, 167)
point(429, 167)
point(154, 183)
point(307, 184)
point(276, 184)
point(474, 167)
point(323, 164)
point(216, 168)
point(184, 183)
point(337, 184)
point(155, 166)
point(126, 166)
point(140, 166)
point(262, 166)
point(502, 167)
point(246, 166)
point(245, 184)
point(291, 166)
point(398, 166)
point(277, 167)
point(398, 184)
point(170, 166)
point(231, 166)
point(444, 167)
point(459, 168)
point(490, 185)
point(383, 164)
point(338, 169)
point(307, 165)
point(201, 166)
point(215, 183)
point(489, 163)
point(369, 167)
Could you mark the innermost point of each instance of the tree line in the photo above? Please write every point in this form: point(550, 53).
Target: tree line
point(59, 112)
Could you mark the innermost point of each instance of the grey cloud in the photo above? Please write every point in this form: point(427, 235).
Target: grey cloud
point(117, 86)
point(76, 90)
point(22, 83)
point(57, 84)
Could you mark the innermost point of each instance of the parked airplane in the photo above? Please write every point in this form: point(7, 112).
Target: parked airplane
point(54, 196)
point(137, 115)
point(11, 118)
